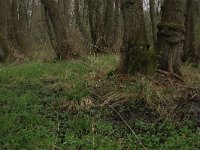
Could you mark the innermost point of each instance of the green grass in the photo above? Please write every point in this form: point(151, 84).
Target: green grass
point(32, 115)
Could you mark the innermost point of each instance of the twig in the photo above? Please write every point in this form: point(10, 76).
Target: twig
point(123, 121)
point(93, 144)
point(58, 129)
point(57, 147)
point(140, 142)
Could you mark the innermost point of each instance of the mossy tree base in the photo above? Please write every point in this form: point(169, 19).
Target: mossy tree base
point(171, 36)
point(134, 51)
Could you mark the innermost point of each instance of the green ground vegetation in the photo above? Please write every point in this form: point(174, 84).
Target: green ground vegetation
point(82, 104)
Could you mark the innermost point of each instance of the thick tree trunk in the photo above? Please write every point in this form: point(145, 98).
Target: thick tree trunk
point(64, 49)
point(4, 51)
point(171, 35)
point(189, 49)
point(134, 50)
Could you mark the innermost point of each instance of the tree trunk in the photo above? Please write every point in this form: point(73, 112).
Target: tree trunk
point(109, 24)
point(9, 21)
point(171, 35)
point(4, 51)
point(99, 24)
point(91, 15)
point(23, 34)
point(3, 18)
point(117, 20)
point(188, 48)
point(64, 49)
point(50, 31)
point(66, 5)
point(79, 22)
point(153, 22)
point(134, 50)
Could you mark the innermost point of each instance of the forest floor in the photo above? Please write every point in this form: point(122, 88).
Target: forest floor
point(82, 104)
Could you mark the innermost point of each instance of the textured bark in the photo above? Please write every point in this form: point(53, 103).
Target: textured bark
point(14, 14)
point(61, 8)
point(9, 21)
point(153, 21)
point(117, 19)
point(3, 31)
point(64, 49)
point(99, 25)
point(66, 5)
point(20, 25)
point(171, 35)
point(3, 18)
point(79, 22)
point(109, 23)
point(196, 60)
point(23, 25)
point(134, 50)
point(91, 15)
point(188, 49)
point(50, 31)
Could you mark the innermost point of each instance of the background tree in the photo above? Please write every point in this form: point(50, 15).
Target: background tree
point(23, 32)
point(109, 23)
point(4, 50)
point(189, 49)
point(153, 21)
point(63, 49)
point(79, 22)
point(134, 50)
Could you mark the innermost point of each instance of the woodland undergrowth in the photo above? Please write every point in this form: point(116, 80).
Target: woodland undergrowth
point(83, 104)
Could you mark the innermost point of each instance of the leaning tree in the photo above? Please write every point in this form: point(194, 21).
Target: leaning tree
point(63, 49)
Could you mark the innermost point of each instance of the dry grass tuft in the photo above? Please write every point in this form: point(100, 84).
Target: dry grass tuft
point(76, 105)
point(166, 97)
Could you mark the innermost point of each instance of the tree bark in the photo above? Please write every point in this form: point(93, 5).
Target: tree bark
point(134, 50)
point(4, 51)
point(66, 5)
point(23, 34)
point(188, 48)
point(79, 22)
point(91, 15)
point(3, 18)
point(64, 49)
point(117, 19)
point(153, 22)
point(50, 31)
point(109, 24)
point(171, 36)
point(9, 21)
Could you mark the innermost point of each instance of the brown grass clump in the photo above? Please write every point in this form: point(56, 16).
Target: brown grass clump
point(76, 105)
point(149, 97)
